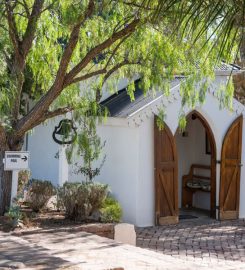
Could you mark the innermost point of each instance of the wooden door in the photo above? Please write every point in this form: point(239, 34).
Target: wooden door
point(230, 171)
point(166, 177)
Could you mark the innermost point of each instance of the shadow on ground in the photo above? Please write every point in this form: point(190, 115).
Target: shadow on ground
point(18, 253)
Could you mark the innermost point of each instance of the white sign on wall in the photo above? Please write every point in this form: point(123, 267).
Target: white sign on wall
point(16, 160)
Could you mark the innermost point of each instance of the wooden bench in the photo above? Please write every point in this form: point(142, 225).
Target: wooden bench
point(194, 182)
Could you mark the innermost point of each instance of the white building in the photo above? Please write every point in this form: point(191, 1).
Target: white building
point(149, 183)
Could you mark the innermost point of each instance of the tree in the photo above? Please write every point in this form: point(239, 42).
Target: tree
point(48, 47)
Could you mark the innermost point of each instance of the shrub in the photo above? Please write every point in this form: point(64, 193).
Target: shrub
point(15, 214)
point(111, 210)
point(38, 193)
point(23, 178)
point(80, 200)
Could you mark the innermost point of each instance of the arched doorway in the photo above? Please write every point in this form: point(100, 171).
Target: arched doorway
point(196, 150)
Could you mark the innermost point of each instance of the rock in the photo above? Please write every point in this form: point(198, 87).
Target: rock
point(125, 233)
point(11, 264)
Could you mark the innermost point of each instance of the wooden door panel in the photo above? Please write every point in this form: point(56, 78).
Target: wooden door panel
point(167, 189)
point(166, 182)
point(230, 171)
point(230, 190)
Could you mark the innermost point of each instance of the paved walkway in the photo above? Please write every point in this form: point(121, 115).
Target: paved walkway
point(218, 246)
point(79, 250)
point(211, 244)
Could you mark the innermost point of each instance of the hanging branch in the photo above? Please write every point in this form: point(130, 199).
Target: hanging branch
point(60, 82)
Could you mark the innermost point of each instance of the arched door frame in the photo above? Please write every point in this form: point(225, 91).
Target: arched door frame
point(211, 139)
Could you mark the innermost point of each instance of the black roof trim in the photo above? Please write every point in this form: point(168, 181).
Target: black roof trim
point(120, 104)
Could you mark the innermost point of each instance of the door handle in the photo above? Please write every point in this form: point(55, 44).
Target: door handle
point(240, 165)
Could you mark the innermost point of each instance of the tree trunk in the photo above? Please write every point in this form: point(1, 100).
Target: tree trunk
point(5, 186)
point(6, 177)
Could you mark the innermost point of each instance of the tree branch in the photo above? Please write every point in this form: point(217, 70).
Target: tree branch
point(65, 60)
point(87, 76)
point(31, 27)
point(3, 138)
point(25, 5)
point(21, 48)
point(13, 33)
point(43, 104)
point(111, 71)
point(52, 114)
point(115, 50)
point(133, 4)
point(49, 6)
point(130, 28)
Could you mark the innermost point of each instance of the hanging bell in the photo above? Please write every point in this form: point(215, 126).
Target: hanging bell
point(65, 132)
point(64, 127)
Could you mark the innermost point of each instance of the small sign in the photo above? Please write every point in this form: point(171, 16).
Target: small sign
point(16, 160)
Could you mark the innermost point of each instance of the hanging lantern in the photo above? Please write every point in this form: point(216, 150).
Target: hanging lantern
point(65, 132)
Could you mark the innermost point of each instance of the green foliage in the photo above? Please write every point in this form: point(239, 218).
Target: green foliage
point(23, 178)
point(169, 37)
point(111, 211)
point(88, 146)
point(38, 193)
point(160, 120)
point(182, 122)
point(15, 214)
point(225, 94)
point(81, 200)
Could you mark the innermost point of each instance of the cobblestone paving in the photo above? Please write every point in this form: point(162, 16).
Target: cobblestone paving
point(210, 244)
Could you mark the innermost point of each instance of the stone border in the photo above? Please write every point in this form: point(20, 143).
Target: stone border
point(100, 229)
point(122, 232)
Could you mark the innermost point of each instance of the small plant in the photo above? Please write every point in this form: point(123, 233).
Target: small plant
point(15, 214)
point(89, 147)
point(38, 193)
point(111, 211)
point(81, 200)
point(23, 178)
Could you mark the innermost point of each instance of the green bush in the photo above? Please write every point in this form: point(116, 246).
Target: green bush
point(38, 193)
point(111, 211)
point(15, 216)
point(81, 200)
point(23, 178)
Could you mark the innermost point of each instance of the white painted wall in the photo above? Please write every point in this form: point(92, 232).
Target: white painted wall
point(43, 150)
point(145, 182)
point(120, 170)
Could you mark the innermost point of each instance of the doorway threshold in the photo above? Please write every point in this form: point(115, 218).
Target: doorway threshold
point(194, 214)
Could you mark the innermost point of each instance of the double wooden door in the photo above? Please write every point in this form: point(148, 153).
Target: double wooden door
point(166, 174)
